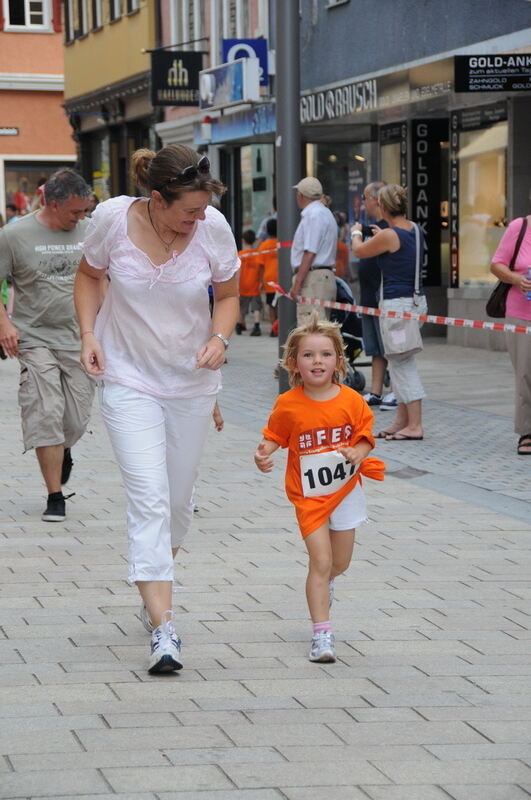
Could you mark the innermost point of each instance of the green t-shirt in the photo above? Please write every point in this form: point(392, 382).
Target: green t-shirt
point(43, 265)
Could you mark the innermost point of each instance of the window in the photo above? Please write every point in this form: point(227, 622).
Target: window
point(115, 10)
point(132, 6)
point(97, 16)
point(27, 15)
point(69, 22)
point(82, 18)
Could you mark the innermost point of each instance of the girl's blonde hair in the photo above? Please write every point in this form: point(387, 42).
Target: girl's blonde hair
point(318, 327)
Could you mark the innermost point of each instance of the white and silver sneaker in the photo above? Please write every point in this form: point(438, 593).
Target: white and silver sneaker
point(389, 402)
point(145, 619)
point(323, 647)
point(165, 648)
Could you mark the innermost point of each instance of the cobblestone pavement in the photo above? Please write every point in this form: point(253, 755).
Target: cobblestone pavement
point(431, 696)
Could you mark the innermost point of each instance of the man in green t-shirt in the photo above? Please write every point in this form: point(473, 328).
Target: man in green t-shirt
point(41, 254)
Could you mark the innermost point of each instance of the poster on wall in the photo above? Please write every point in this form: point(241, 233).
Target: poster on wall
point(357, 179)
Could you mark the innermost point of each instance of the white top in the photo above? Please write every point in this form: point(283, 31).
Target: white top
point(154, 319)
point(316, 232)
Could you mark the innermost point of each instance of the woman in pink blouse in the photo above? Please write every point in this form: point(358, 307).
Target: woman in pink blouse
point(518, 310)
point(156, 353)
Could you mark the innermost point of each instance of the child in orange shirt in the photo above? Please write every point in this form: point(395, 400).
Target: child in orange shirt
point(327, 428)
point(268, 261)
point(250, 297)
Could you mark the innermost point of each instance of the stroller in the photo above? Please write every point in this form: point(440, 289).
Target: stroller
point(352, 336)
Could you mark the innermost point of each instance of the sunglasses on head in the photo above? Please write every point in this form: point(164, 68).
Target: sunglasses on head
point(189, 174)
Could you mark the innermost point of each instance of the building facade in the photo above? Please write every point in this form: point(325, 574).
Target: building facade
point(107, 83)
point(35, 136)
point(392, 102)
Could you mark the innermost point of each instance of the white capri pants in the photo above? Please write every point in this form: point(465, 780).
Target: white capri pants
point(405, 379)
point(158, 445)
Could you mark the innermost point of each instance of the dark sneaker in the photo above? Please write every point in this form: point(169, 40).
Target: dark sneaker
point(240, 328)
point(373, 399)
point(256, 331)
point(67, 466)
point(55, 509)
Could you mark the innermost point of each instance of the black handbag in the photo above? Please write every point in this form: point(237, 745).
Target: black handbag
point(496, 303)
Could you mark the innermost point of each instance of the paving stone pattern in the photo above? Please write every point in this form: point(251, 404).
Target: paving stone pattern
point(431, 696)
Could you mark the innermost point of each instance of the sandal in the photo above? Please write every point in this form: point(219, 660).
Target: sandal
point(524, 441)
point(384, 434)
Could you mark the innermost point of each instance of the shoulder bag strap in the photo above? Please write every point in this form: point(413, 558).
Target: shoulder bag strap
point(518, 243)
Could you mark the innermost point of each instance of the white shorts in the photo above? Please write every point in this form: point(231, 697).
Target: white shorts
point(351, 511)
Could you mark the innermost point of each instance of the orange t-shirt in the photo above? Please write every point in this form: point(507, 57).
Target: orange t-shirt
point(342, 259)
point(317, 477)
point(269, 262)
point(249, 273)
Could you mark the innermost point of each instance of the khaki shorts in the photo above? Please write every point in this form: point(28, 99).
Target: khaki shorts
point(321, 284)
point(55, 397)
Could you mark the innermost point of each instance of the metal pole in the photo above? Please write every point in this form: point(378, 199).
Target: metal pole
point(288, 154)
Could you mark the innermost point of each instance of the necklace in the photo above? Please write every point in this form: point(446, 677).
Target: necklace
point(167, 245)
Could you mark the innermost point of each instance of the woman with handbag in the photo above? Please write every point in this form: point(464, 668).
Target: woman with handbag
point(398, 249)
point(511, 264)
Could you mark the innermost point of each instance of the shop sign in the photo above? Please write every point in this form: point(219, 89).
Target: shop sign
point(175, 78)
point(470, 119)
point(493, 73)
point(240, 125)
point(230, 84)
point(9, 131)
point(353, 98)
point(397, 132)
point(232, 49)
point(425, 192)
point(454, 200)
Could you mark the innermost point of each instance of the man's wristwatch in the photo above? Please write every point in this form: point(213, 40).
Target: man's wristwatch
point(223, 339)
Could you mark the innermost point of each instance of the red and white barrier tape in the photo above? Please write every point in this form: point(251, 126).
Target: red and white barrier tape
point(451, 322)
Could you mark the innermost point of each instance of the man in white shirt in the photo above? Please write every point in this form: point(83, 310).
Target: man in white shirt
point(313, 252)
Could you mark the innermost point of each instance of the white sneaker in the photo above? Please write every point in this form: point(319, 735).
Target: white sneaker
point(145, 619)
point(323, 647)
point(389, 402)
point(165, 648)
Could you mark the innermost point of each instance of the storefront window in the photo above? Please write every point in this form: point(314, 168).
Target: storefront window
point(257, 175)
point(22, 180)
point(344, 171)
point(390, 161)
point(482, 199)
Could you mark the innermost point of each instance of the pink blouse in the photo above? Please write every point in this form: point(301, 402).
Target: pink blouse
point(517, 306)
point(154, 319)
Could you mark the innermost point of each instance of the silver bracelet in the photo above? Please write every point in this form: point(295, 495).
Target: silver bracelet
point(223, 339)
point(355, 233)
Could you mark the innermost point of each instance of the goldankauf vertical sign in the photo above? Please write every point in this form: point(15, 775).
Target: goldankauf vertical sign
point(175, 78)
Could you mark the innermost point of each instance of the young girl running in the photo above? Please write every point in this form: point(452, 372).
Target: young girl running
point(328, 430)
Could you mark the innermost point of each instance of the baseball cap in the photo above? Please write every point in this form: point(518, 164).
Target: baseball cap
point(310, 187)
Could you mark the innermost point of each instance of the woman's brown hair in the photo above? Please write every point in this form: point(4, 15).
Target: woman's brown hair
point(321, 328)
point(161, 170)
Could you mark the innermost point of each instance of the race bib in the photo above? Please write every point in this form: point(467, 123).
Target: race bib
point(324, 473)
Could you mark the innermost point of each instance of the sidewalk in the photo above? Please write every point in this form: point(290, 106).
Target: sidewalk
point(431, 696)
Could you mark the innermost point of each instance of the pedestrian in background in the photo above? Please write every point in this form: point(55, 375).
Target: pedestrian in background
point(250, 284)
point(395, 247)
point(313, 251)
point(156, 352)
point(268, 263)
point(370, 278)
point(327, 428)
point(41, 253)
point(518, 312)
